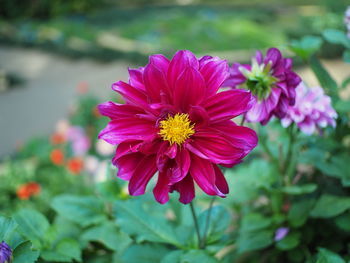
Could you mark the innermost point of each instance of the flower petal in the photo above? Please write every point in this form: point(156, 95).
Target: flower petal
point(131, 94)
point(228, 104)
point(136, 78)
point(186, 189)
point(161, 190)
point(215, 71)
point(115, 110)
point(127, 164)
point(183, 162)
point(203, 174)
point(142, 174)
point(220, 180)
point(211, 145)
point(189, 89)
point(181, 60)
point(124, 129)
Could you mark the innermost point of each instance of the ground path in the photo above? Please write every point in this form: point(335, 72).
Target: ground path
point(50, 88)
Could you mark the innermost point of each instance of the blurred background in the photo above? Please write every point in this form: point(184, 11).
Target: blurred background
point(51, 50)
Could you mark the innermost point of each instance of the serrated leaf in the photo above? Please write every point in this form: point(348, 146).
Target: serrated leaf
point(135, 221)
point(108, 235)
point(25, 254)
point(33, 225)
point(145, 253)
point(83, 210)
point(324, 78)
point(330, 206)
point(327, 256)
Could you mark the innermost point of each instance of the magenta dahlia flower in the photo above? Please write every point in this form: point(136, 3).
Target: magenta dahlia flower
point(271, 81)
point(312, 110)
point(176, 123)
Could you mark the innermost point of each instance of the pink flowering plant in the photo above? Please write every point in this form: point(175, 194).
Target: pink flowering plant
point(193, 159)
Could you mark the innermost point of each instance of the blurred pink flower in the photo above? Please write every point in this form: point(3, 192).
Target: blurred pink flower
point(281, 233)
point(79, 140)
point(271, 81)
point(312, 110)
point(347, 21)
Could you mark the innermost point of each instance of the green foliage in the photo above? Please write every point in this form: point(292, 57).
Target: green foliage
point(306, 47)
point(326, 256)
point(84, 211)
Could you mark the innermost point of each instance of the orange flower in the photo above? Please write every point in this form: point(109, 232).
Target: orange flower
point(95, 112)
point(25, 191)
point(57, 138)
point(57, 157)
point(75, 165)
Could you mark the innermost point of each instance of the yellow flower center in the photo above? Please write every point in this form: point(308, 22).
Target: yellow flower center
point(176, 129)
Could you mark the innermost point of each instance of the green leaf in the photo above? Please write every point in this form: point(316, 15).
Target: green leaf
point(343, 221)
point(306, 47)
point(25, 254)
point(254, 221)
point(70, 248)
point(324, 78)
point(145, 253)
point(33, 225)
point(8, 232)
point(108, 235)
point(327, 256)
point(135, 221)
point(219, 221)
point(82, 210)
point(299, 189)
point(342, 106)
point(346, 56)
point(197, 256)
point(254, 240)
point(330, 206)
point(299, 212)
point(247, 180)
point(173, 257)
point(66, 250)
point(289, 242)
point(336, 37)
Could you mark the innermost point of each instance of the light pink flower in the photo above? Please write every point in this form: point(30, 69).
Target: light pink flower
point(312, 110)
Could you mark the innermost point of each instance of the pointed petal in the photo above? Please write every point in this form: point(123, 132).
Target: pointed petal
point(183, 162)
point(220, 180)
point(142, 174)
point(204, 175)
point(130, 94)
point(115, 110)
point(161, 190)
point(185, 189)
point(228, 104)
point(136, 78)
point(211, 145)
point(127, 164)
point(181, 60)
point(189, 89)
point(124, 129)
point(215, 71)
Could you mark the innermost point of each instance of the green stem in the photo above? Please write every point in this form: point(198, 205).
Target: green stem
point(288, 160)
point(207, 222)
point(195, 220)
point(243, 120)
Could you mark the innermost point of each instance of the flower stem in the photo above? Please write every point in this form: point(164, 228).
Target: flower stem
point(195, 220)
point(243, 120)
point(207, 222)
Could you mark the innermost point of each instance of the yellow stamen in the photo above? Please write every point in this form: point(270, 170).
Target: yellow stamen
point(176, 129)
